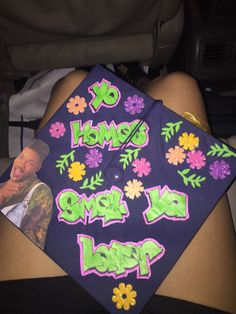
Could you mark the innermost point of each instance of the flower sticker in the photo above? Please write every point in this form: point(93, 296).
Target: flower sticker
point(219, 169)
point(76, 105)
point(93, 158)
point(142, 167)
point(170, 129)
point(175, 155)
point(188, 141)
point(63, 162)
point(134, 104)
point(76, 171)
point(196, 159)
point(57, 130)
point(124, 296)
point(128, 156)
point(93, 182)
point(133, 189)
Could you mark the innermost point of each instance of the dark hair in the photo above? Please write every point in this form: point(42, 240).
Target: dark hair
point(40, 147)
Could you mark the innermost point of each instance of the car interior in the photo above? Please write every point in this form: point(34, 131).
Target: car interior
point(159, 36)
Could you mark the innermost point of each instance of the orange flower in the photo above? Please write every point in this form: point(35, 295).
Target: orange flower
point(133, 189)
point(175, 155)
point(188, 141)
point(76, 105)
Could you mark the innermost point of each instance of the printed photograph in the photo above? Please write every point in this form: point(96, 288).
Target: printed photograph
point(24, 199)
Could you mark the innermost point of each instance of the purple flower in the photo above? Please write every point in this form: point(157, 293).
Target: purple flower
point(134, 104)
point(219, 169)
point(93, 158)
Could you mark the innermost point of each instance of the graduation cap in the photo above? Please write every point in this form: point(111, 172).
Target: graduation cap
point(131, 182)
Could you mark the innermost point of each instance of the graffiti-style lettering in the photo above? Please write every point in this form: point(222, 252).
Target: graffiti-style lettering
point(118, 259)
point(104, 94)
point(165, 203)
point(107, 206)
point(113, 135)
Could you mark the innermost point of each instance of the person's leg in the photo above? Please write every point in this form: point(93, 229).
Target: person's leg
point(206, 272)
point(19, 257)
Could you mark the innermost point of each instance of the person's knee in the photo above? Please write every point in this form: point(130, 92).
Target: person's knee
point(73, 78)
point(180, 79)
point(65, 86)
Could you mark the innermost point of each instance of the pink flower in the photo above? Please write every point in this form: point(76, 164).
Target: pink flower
point(141, 167)
point(196, 159)
point(57, 130)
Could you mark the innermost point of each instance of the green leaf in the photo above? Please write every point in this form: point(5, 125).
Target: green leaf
point(185, 171)
point(223, 151)
point(177, 127)
point(93, 182)
point(136, 154)
point(192, 183)
point(128, 157)
point(198, 184)
point(192, 179)
point(64, 161)
point(85, 181)
point(227, 155)
point(170, 130)
point(202, 179)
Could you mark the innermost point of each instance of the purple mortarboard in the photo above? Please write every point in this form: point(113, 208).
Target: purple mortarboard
point(131, 182)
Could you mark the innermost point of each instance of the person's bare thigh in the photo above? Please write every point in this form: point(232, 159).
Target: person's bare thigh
point(206, 272)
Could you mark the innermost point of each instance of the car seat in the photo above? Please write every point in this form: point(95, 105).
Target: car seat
point(38, 35)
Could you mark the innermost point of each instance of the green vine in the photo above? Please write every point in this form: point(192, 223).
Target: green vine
point(223, 151)
point(193, 179)
point(130, 155)
point(170, 130)
point(63, 161)
point(93, 181)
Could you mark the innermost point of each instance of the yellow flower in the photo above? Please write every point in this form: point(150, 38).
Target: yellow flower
point(133, 189)
point(76, 171)
point(76, 105)
point(188, 141)
point(124, 296)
